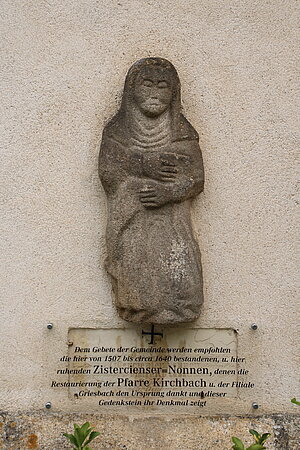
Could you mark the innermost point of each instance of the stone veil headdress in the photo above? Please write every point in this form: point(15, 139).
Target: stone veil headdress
point(119, 127)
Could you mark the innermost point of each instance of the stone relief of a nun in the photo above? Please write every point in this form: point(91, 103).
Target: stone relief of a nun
point(151, 168)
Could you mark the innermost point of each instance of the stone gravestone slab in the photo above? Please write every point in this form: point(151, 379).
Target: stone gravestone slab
point(140, 369)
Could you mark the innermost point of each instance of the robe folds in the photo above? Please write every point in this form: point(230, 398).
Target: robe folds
point(152, 255)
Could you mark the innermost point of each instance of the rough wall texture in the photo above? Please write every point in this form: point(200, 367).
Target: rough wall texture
point(43, 431)
point(63, 66)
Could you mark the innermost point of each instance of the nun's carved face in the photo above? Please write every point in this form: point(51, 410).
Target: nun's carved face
point(153, 90)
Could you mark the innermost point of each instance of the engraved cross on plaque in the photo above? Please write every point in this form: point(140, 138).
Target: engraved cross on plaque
point(152, 334)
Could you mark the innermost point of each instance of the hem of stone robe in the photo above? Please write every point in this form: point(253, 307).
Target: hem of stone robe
point(155, 262)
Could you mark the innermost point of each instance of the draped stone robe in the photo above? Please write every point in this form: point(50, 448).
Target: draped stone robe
point(153, 257)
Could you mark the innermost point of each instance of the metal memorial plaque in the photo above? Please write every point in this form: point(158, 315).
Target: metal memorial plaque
point(151, 370)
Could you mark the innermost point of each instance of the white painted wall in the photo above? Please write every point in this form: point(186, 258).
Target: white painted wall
point(63, 67)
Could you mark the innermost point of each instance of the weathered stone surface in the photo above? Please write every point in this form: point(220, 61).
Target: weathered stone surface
point(151, 167)
point(44, 431)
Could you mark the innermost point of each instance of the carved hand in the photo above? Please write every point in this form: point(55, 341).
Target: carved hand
point(153, 195)
point(167, 172)
point(161, 167)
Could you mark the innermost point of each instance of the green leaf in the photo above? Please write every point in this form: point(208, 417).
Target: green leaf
point(67, 435)
point(81, 434)
point(92, 436)
point(71, 439)
point(255, 434)
point(78, 436)
point(264, 437)
point(256, 447)
point(85, 429)
point(84, 432)
point(295, 401)
point(238, 445)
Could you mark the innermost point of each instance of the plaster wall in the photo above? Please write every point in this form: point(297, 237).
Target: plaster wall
point(63, 67)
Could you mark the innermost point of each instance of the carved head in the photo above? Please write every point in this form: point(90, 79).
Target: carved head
point(152, 84)
point(152, 87)
point(153, 91)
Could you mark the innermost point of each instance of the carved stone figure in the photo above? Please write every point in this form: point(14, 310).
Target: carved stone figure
point(151, 167)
